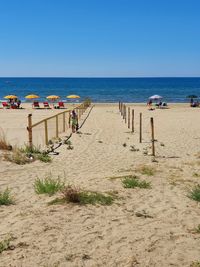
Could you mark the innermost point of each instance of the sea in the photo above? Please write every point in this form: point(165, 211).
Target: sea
point(104, 90)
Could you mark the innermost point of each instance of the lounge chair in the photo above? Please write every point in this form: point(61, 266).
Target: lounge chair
point(164, 105)
point(61, 104)
point(46, 105)
point(5, 105)
point(35, 104)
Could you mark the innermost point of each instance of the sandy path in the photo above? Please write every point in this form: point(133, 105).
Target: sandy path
point(93, 236)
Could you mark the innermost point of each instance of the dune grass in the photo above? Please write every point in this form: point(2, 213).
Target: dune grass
point(48, 185)
point(16, 157)
point(195, 193)
point(5, 198)
point(195, 264)
point(5, 244)
point(146, 170)
point(72, 194)
point(134, 181)
point(4, 145)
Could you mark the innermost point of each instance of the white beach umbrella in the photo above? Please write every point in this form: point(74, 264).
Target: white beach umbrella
point(155, 97)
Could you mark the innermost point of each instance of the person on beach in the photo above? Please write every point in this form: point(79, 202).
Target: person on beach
point(74, 121)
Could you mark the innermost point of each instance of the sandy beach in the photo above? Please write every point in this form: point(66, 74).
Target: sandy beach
point(143, 227)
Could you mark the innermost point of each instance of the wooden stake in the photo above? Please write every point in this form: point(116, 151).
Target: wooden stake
point(140, 127)
point(129, 117)
point(133, 118)
point(46, 132)
point(29, 128)
point(63, 122)
point(125, 114)
point(152, 137)
point(56, 126)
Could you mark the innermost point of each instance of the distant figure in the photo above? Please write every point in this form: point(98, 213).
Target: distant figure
point(74, 121)
point(191, 102)
point(149, 103)
point(18, 103)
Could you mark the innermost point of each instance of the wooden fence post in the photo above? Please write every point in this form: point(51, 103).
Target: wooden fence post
point(133, 115)
point(152, 137)
point(129, 117)
point(29, 128)
point(64, 122)
point(140, 127)
point(119, 105)
point(125, 113)
point(56, 126)
point(46, 132)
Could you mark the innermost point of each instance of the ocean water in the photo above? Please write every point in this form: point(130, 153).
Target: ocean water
point(103, 89)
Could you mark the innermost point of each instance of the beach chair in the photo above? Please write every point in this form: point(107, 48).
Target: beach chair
point(35, 104)
point(61, 104)
point(164, 105)
point(46, 105)
point(5, 105)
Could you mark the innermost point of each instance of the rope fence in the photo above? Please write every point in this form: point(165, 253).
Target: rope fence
point(40, 133)
point(130, 121)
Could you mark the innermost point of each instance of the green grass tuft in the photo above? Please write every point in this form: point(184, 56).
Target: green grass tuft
point(132, 182)
point(17, 157)
point(44, 157)
point(197, 230)
point(76, 195)
point(195, 264)
point(5, 244)
point(195, 193)
point(48, 185)
point(5, 198)
point(30, 150)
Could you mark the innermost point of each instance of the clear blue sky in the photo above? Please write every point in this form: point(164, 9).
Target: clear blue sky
point(80, 38)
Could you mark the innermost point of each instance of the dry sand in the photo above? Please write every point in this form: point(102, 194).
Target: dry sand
point(73, 235)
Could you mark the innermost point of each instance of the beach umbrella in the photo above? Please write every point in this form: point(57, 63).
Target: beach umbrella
point(10, 96)
point(155, 97)
point(32, 96)
point(53, 97)
point(73, 96)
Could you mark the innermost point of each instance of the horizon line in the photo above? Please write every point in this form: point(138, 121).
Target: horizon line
point(99, 77)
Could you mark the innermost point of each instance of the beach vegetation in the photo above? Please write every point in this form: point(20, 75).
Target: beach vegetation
point(195, 264)
point(6, 198)
point(16, 157)
point(197, 229)
point(146, 170)
point(44, 157)
point(195, 193)
point(30, 149)
point(4, 145)
point(5, 244)
point(48, 185)
point(134, 181)
point(195, 174)
point(72, 194)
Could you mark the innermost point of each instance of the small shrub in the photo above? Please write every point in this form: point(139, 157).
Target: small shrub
point(4, 145)
point(5, 244)
point(146, 170)
point(17, 157)
point(5, 198)
point(195, 174)
point(76, 195)
point(195, 264)
point(132, 182)
point(195, 193)
point(197, 230)
point(48, 185)
point(44, 157)
point(30, 150)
